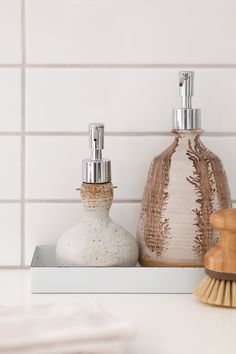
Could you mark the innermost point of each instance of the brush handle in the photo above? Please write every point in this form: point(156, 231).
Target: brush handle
point(222, 257)
point(224, 219)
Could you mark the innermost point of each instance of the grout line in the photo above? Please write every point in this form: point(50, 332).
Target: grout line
point(10, 201)
point(68, 201)
point(75, 201)
point(9, 66)
point(115, 65)
point(219, 134)
point(2, 133)
point(127, 201)
point(13, 267)
point(77, 133)
point(120, 134)
point(23, 49)
point(128, 65)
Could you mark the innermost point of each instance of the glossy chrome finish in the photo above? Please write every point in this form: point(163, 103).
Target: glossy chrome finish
point(186, 118)
point(96, 169)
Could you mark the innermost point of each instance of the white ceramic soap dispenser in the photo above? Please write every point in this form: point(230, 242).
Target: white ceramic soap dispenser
point(97, 240)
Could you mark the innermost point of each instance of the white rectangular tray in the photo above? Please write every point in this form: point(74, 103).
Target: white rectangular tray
point(48, 277)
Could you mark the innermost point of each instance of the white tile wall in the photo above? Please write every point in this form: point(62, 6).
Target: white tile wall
point(65, 63)
point(10, 249)
point(10, 167)
point(133, 31)
point(134, 100)
point(10, 31)
point(10, 99)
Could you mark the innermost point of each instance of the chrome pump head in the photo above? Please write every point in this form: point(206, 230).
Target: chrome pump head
point(186, 118)
point(96, 169)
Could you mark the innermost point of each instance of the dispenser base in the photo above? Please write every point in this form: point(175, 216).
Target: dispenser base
point(148, 262)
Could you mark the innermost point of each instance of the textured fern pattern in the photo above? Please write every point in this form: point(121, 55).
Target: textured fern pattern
point(204, 186)
point(154, 227)
point(221, 183)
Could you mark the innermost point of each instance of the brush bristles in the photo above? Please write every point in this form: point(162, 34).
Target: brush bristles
point(217, 292)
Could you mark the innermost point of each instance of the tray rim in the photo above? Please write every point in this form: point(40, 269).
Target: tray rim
point(37, 249)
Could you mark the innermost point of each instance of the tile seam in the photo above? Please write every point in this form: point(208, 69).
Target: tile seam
point(73, 201)
point(23, 89)
point(13, 267)
point(118, 65)
point(67, 200)
point(117, 133)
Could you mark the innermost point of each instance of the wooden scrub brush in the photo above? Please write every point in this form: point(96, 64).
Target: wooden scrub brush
point(219, 285)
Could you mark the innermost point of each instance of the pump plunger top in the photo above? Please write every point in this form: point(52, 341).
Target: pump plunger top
point(96, 169)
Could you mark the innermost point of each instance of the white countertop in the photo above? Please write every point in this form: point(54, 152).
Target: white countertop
point(165, 324)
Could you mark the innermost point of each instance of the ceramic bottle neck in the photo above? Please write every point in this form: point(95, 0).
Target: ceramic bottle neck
point(97, 199)
point(188, 134)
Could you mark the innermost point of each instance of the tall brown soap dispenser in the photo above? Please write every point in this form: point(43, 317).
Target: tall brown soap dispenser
point(185, 184)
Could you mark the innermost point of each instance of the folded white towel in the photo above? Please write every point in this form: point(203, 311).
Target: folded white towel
point(55, 329)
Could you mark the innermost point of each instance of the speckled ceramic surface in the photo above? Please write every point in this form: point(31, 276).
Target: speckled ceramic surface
point(185, 184)
point(97, 240)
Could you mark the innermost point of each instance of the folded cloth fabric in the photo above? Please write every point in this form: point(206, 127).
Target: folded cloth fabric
point(54, 329)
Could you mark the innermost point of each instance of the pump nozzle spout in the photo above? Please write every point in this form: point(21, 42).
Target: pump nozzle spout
point(96, 140)
point(186, 88)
